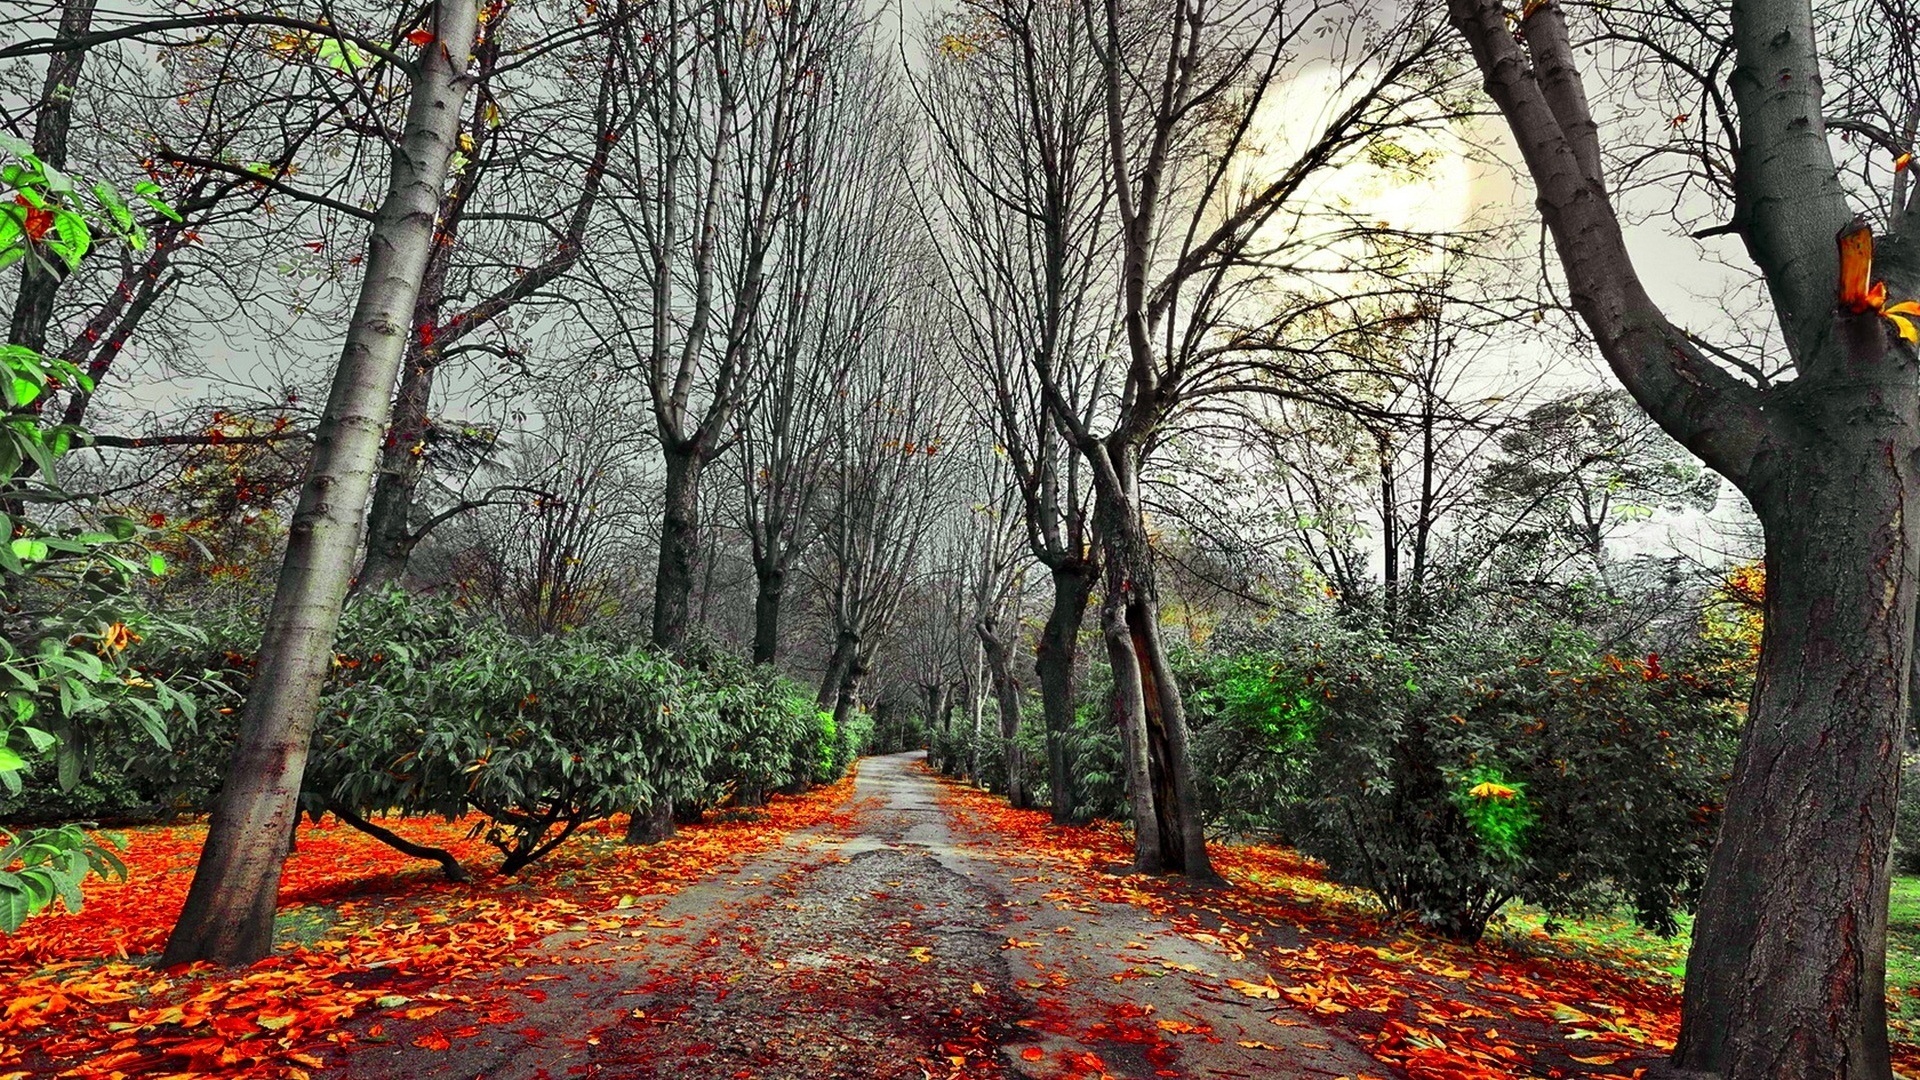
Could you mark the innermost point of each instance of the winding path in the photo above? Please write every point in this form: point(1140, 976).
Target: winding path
point(885, 948)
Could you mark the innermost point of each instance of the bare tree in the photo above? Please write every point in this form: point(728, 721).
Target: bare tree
point(468, 289)
point(1186, 88)
point(1786, 976)
point(1015, 96)
point(725, 96)
point(229, 910)
point(890, 473)
point(830, 289)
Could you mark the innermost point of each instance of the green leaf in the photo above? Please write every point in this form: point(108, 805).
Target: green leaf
point(10, 761)
point(28, 549)
point(15, 907)
point(21, 391)
point(157, 563)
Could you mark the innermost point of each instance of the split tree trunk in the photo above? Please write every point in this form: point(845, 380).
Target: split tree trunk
point(1054, 663)
point(1787, 973)
point(1168, 835)
point(228, 917)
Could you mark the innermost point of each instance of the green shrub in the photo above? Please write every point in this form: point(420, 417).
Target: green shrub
point(1479, 766)
point(761, 718)
point(540, 735)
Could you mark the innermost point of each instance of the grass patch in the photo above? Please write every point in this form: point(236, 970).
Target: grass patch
point(1615, 940)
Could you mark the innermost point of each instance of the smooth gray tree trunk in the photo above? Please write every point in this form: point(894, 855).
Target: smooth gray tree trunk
point(228, 917)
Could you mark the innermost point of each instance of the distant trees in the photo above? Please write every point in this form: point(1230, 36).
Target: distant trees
point(1205, 254)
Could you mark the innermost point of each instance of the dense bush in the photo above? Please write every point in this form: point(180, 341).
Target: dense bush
point(445, 714)
point(1475, 768)
point(761, 717)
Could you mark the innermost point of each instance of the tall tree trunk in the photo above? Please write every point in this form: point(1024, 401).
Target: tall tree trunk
point(1129, 709)
point(1006, 693)
point(770, 586)
point(1166, 810)
point(845, 646)
point(1787, 973)
point(679, 548)
point(33, 307)
point(1172, 746)
point(1054, 663)
point(228, 917)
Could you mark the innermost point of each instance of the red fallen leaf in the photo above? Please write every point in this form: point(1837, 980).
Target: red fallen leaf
point(432, 1040)
point(1033, 1053)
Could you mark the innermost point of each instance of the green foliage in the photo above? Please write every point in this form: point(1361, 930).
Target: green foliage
point(1497, 810)
point(1906, 822)
point(67, 615)
point(1478, 766)
point(43, 865)
point(761, 718)
point(443, 713)
point(826, 744)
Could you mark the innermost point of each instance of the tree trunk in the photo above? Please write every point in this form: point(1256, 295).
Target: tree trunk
point(228, 917)
point(1130, 716)
point(402, 464)
point(1787, 972)
point(679, 548)
point(1054, 664)
point(33, 307)
point(1006, 693)
point(652, 823)
point(1160, 781)
point(1182, 825)
point(770, 588)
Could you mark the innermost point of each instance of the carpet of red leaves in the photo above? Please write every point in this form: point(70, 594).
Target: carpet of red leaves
point(86, 997)
point(1437, 1010)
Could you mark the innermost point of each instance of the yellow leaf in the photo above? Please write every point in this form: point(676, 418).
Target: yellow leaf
point(1255, 990)
point(1904, 326)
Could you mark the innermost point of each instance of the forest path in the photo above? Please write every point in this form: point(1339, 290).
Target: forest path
point(883, 949)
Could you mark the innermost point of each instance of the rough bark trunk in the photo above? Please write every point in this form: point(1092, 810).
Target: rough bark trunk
point(228, 917)
point(1168, 715)
point(651, 824)
point(1130, 716)
point(839, 664)
point(1787, 972)
point(679, 548)
point(1147, 705)
point(1054, 663)
point(33, 307)
point(770, 585)
point(1006, 693)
